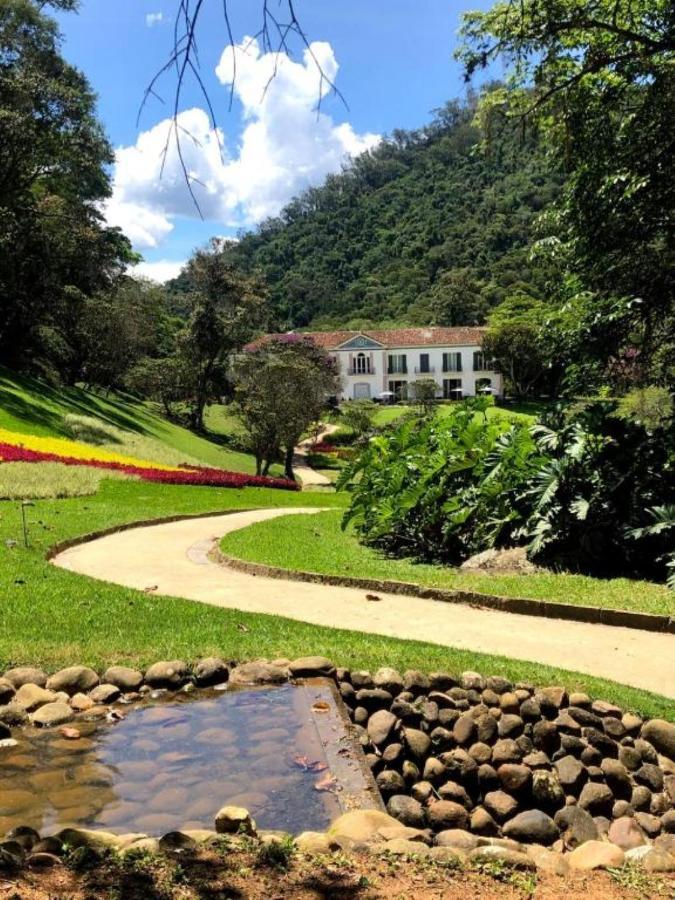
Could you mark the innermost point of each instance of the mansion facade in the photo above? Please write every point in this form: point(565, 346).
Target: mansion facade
point(376, 361)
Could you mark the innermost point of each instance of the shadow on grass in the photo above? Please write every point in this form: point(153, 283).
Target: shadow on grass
point(31, 400)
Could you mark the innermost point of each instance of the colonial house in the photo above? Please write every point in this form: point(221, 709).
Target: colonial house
point(375, 361)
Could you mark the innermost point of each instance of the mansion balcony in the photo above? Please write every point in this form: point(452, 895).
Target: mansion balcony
point(428, 371)
point(367, 370)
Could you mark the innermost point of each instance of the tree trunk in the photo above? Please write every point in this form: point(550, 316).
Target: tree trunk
point(258, 465)
point(288, 463)
point(266, 467)
point(197, 414)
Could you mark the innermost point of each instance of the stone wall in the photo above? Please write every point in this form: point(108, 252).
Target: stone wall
point(470, 766)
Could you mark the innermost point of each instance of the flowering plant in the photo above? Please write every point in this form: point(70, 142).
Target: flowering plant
point(192, 475)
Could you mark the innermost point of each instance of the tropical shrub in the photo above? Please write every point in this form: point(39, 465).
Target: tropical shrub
point(585, 489)
point(594, 499)
point(442, 488)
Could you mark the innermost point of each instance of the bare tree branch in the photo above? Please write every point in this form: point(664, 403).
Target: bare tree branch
point(275, 34)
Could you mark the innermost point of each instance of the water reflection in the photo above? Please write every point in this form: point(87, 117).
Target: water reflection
point(173, 763)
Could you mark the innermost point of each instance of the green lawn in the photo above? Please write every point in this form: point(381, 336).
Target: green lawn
point(317, 544)
point(53, 618)
point(30, 406)
point(22, 481)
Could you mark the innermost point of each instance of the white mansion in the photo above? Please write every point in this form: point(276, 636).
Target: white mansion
point(375, 361)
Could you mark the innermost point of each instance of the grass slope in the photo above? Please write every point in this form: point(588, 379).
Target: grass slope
point(34, 407)
point(54, 618)
point(317, 543)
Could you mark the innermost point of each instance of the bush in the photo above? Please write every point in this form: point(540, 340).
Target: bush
point(442, 488)
point(92, 431)
point(585, 489)
point(593, 500)
point(651, 406)
point(357, 415)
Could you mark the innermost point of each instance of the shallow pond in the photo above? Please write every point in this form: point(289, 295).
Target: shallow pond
point(173, 761)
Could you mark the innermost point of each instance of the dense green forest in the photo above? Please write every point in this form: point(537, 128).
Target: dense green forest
point(430, 227)
point(542, 207)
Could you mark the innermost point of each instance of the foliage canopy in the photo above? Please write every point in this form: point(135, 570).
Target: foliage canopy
point(423, 229)
point(585, 490)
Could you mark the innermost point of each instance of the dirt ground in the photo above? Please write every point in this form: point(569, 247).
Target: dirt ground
point(233, 874)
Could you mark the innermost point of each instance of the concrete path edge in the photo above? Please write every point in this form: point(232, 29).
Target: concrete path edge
point(175, 559)
point(594, 615)
point(524, 606)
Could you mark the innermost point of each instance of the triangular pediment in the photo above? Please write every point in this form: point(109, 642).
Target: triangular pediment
point(360, 342)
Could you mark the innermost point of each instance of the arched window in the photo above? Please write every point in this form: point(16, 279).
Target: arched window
point(362, 364)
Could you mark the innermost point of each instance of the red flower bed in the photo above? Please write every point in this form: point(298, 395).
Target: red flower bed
point(194, 475)
point(323, 447)
point(326, 448)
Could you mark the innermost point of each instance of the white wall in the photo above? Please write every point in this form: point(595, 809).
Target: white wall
point(379, 379)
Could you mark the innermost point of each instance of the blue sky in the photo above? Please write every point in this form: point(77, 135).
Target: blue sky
point(393, 63)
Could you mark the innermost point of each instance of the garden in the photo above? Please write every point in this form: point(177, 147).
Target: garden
point(447, 672)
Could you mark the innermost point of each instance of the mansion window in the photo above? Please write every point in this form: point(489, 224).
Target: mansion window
point(399, 389)
point(480, 363)
point(397, 364)
point(452, 362)
point(361, 364)
point(452, 388)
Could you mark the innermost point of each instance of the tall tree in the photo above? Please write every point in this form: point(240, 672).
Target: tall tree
point(598, 79)
point(455, 298)
point(54, 247)
point(281, 389)
point(228, 308)
point(116, 329)
point(515, 341)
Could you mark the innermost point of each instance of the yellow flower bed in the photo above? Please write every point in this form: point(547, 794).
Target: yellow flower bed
point(74, 450)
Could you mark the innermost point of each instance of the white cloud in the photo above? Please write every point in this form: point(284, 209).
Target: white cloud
point(284, 147)
point(155, 18)
point(161, 270)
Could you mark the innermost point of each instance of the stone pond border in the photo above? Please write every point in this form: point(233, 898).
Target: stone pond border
point(523, 606)
point(473, 769)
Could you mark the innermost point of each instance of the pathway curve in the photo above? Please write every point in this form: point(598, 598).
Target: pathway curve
point(172, 559)
point(308, 476)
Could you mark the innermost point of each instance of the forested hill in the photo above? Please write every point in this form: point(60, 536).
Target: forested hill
point(428, 228)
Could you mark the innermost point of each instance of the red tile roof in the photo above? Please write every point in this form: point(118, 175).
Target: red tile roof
point(392, 337)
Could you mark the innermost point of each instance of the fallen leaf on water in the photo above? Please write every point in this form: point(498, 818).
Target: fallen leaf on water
point(70, 734)
point(327, 783)
point(320, 706)
point(309, 765)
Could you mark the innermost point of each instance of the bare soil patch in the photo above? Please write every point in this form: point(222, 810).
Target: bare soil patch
point(236, 873)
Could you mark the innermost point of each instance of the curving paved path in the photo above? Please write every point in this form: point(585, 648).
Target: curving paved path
point(306, 475)
point(172, 559)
